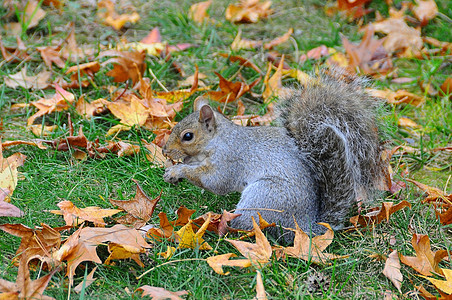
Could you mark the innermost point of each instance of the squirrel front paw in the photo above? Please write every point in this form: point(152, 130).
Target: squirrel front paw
point(172, 174)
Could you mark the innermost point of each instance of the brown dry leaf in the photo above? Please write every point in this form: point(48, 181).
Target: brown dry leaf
point(166, 229)
point(218, 222)
point(36, 143)
point(248, 11)
point(443, 285)
point(39, 81)
point(426, 261)
point(130, 113)
point(279, 40)
point(273, 84)
point(434, 194)
point(230, 91)
point(401, 96)
point(349, 4)
point(14, 54)
point(86, 282)
point(266, 119)
point(312, 249)
point(107, 14)
point(51, 55)
point(139, 209)
point(369, 56)
point(79, 70)
point(258, 253)
point(81, 245)
point(74, 216)
point(392, 270)
point(401, 39)
point(198, 11)
point(246, 44)
point(188, 239)
point(90, 109)
point(168, 253)
point(183, 216)
point(217, 262)
point(377, 215)
point(127, 65)
point(38, 243)
point(118, 251)
point(158, 293)
point(61, 101)
point(407, 123)
point(260, 290)
point(242, 61)
point(161, 137)
point(425, 11)
point(24, 287)
point(30, 15)
point(446, 87)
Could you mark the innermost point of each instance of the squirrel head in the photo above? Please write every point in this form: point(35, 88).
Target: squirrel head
point(190, 136)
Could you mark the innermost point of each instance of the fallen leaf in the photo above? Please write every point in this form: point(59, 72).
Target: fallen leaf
point(90, 109)
point(230, 91)
point(139, 209)
point(248, 11)
point(218, 222)
point(158, 293)
point(407, 123)
point(188, 239)
point(130, 113)
point(21, 79)
point(8, 171)
point(401, 96)
point(7, 209)
point(377, 215)
point(29, 17)
point(61, 101)
point(107, 14)
point(242, 61)
point(240, 43)
point(446, 87)
point(434, 193)
point(273, 84)
point(14, 54)
point(217, 262)
point(183, 216)
point(74, 216)
point(392, 270)
point(279, 40)
point(126, 65)
point(258, 253)
point(443, 285)
point(198, 11)
point(169, 252)
point(118, 251)
point(425, 11)
point(166, 229)
point(79, 70)
point(86, 281)
point(311, 249)
point(348, 4)
point(260, 290)
point(426, 261)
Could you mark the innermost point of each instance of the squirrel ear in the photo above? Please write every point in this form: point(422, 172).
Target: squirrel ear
point(207, 117)
point(200, 102)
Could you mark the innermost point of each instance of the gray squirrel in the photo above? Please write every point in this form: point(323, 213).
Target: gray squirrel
point(323, 156)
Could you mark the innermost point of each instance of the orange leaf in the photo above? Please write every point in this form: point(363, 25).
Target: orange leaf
point(217, 262)
point(377, 215)
point(248, 11)
point(160, 293)
point(107, 14)
point(198, 11)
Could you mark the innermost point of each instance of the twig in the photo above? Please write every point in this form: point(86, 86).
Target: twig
point(158, 81)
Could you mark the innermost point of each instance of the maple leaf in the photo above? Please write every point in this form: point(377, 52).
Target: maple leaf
point(81, 245)
point(79, 70)
point(443, 285)
point(260, 290)
point(51, 55)
point(24, 287)
point(187, 238)
point(139, 209)
point(38, 243)
point(7, 209)
point(158, 293)
point(90, 109)
point(118, 251)
point(59, 102)
point(398, 97)
point(168, 253)
point(21, 79)
point(198, 11)
point(392, 270)
point(107, 13)
point(87, 281)
point(425, 11)
point(248, 11)
point(273, 84)
point(166, 229)
point(400, 38)
point(258, 253)
point(279, 40)
point(426, 261)
point(74, 216)
point(131, 112)
point(218, 222)
point(126, 65)
point(183, 216)
point(311, 249)
point(377, 215)
point(14, 54)
point(230, 91)
point(217, 262)
point(369, 56)
point(433, 193)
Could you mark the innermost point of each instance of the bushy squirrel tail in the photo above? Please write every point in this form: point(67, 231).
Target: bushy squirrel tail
point(333, 120)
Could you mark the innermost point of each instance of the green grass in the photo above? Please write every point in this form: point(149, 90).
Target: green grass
point(49, 177)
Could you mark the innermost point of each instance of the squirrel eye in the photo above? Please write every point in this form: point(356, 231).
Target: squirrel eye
point(187, 136)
